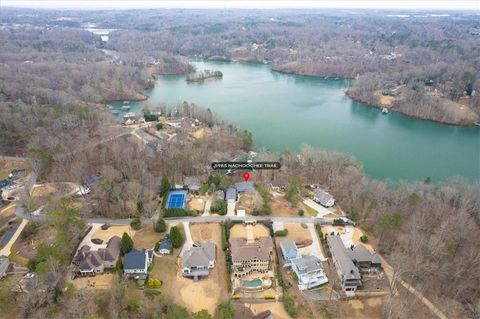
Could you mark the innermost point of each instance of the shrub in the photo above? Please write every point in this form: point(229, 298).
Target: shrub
point(281, 233)
point(269, 296)
point(289, 305)
point(159, 126)
point(226, 310)
point(219, 206)
point(236, 296)
point(176, 237)
point(364, 238)
point(154, 283)
point(175, 212)
point(151, 293)
point(133, 305)
point(160, 226)
point(202, 314)
point(151, 117)
point(136, 223)
point(126, 244)
point(301, 212)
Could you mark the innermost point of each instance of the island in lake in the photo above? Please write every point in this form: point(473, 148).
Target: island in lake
point(204, 75)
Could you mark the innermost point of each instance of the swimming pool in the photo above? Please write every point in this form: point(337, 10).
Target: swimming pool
point(255, 283)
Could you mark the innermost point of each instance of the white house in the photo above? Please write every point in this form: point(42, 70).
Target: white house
point(309, 271)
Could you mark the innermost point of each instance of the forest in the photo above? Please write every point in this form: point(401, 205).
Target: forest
point(55, 78)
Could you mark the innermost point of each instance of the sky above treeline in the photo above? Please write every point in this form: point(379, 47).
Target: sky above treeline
point(246, 4)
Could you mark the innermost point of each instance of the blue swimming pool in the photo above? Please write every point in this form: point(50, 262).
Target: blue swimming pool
point(255, 283)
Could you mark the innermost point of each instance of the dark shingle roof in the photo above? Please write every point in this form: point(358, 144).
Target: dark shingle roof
point(135, 259)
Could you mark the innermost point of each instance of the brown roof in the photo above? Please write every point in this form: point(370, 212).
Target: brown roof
point(91, 261)
point(112, 251)
point(81, 254)
point(243, 251)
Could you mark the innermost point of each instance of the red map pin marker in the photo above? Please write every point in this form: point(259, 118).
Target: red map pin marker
point(246, 176)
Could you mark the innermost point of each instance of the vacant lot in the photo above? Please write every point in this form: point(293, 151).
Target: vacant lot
point(113, 230)
point(281, 207)
point(249, 202)
point(275, 307)
point(298, 232)
point(146, 238)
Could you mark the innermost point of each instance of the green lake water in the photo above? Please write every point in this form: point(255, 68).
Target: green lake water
point(285, 111)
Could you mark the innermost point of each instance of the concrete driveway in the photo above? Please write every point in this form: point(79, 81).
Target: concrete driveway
point(231, 208)
point(315, 249)
point(321, 211)
point(6, 250)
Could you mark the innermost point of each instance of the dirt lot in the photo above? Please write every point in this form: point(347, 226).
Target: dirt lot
point(249, 202)
point(146, 237)
point(98, 282)
point(370, 308)
point(197, 203)
point(208, 292)
point(281, 207)
point(297, 232)
point(43, 190)
point(113, 230)
point(6, 167)
point(275, 307)
point(240, 230)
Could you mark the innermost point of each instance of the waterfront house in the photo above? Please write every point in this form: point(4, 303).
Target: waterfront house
point(324, 198)
point(347, 272)
point(364, 259)
point(198, 260)
point(244, 187)
point(251, 257)
point(289, 249)
point(136, 263)
point(309, 271)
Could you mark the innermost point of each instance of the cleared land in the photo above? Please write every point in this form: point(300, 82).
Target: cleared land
point(101, 281)
point(113, 230)
point(275, 307)
point(146, 237)
point(197, 203)
point(299, 233)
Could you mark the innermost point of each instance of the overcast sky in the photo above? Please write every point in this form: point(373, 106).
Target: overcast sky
point(260, 4)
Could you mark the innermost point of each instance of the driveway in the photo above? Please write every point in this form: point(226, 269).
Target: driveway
point(314, 249)
point(322, 211)
point(208, 204)
point(6, 250)
point(188, 237)
point(87, 240)
point(347, 237)
point(231, 208)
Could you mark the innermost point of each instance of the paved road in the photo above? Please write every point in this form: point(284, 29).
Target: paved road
point(5, 251)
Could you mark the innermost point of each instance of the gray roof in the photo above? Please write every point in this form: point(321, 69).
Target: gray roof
point(323, 196)
point(231, 193)
point(244, 187)
point(135, 259)
point(165, 243)
point(360, 254)
point(243, 251)
point(199, 256)
point(288, 245)
point(343, 261)
point(112, 251)
point(307, 264)
point(192, 183)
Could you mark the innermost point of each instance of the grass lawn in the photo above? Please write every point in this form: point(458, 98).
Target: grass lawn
point(146, 237)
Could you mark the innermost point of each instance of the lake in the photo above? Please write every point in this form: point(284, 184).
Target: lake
point(285, 111)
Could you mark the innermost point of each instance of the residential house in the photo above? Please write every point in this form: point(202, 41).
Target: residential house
point(90, 263)
point(348, 273)
point(197, 260)
point(278, 185)
point(324, 198)
point(309, 271)
point(289, 249)
point(244, 187)
point(136, 263)
point(231, 194)
point(251, 258)
point(192, 184)
point(364, 259)
point(165, 245)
